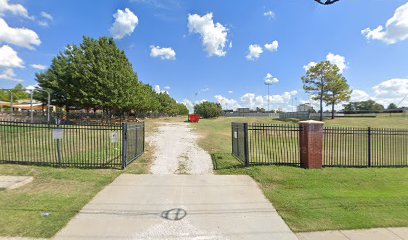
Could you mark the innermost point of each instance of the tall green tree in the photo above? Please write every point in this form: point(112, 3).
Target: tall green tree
point(392, 106)
point(317, 79)
point(369, 105)
point(208, 109)
point(338, 91)
point(97, 74)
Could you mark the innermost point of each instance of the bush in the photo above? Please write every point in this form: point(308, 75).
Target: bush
point(208, 109)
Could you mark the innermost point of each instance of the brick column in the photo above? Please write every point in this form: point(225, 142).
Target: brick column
point(311, 144)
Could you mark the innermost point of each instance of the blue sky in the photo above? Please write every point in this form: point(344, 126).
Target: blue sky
point(200, 49)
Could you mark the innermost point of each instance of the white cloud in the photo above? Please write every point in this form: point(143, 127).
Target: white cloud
point(8, 74)
point(269, 79)
point(395, 30)
point(167, 87)
point(158, 90)
point(163, 53)
point(391, 91)
point(214, 36)
point(39, 66)
point(338, 60)
point(188, 104)
point(273, 46)
point(227, 103)
point(125, 23)
point(252, 101)
point(21, 37)
point(47, 16)
point(269, 14)
point(43, 23)
point(230, 92)
point(255, 52)
point(386, 92)
point(309, 65)
point(359, 95)
point(9, 58)
point(15, 9)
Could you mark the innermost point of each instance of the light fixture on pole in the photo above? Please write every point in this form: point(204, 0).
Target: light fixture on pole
point(31, 90)
point(269, 80)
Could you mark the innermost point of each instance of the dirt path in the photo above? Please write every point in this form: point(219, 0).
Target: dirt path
point(176, 151)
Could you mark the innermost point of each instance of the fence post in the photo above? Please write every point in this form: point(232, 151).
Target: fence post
point(369, 146)
point(311, 144)
point(144, 136)
point(246, 145)
point(59, 158)
point(124, 145)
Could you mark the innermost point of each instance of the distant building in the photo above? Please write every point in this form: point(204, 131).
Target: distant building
point(243, 110)
point(306, 107)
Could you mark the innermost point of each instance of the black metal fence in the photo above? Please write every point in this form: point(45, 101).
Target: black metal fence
point(258, 144)
point(90, 146)
point(76, 118)
point(365, 147)
point(240, 142)
point(133, 142)
point(279, 144)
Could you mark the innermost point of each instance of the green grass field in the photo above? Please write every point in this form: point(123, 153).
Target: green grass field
point(60, 191)
point(81, 145)
point(327, 199)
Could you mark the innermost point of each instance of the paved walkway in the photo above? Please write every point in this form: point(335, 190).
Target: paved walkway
point(369, 234)
point(178, 207)
point(13, 182)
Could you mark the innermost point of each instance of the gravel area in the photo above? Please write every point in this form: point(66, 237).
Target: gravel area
point(176, 151)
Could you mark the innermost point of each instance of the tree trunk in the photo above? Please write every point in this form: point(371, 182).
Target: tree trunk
point(332, 110)
point(321, 101)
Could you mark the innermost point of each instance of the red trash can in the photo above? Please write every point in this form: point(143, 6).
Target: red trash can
point(194, 118)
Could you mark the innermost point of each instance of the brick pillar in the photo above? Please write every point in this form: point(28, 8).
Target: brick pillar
point(311, 144)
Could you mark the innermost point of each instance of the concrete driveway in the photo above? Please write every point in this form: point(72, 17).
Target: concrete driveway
point(178, 207)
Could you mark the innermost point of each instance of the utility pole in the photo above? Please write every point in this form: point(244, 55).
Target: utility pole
point(268, 83)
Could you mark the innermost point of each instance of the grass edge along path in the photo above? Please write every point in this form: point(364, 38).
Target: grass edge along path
point(316, 200)
point(61, 192)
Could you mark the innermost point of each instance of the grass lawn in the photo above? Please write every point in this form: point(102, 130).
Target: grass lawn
point(60, 191)
point(314, 200)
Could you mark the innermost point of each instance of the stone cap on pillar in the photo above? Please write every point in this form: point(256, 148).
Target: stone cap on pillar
point(311, 122)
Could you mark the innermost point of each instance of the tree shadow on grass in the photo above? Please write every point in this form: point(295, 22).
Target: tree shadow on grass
point(224, 161)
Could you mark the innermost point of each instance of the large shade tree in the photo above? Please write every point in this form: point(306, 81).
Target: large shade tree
point(339, 91)
point(325, 83)
point(97, 74)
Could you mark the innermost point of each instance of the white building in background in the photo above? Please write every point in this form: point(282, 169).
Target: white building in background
point(305, 107)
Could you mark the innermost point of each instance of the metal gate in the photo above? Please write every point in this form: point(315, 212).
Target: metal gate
point(133, 142)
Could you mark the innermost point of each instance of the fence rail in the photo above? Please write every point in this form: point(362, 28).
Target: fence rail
point(342, 147)
point(89, 146)
point(266, 144)
point(365, 147)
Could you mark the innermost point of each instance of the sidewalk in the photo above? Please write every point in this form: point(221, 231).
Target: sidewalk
point(369, 234)
point(179, 207)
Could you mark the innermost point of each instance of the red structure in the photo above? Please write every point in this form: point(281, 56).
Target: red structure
point(311, 144)
point(194, 118)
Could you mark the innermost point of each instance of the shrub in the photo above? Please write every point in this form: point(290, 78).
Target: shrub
point(208, 109)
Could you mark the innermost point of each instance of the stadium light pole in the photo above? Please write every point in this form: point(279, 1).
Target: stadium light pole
point(269, 80)
point(268, 84)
